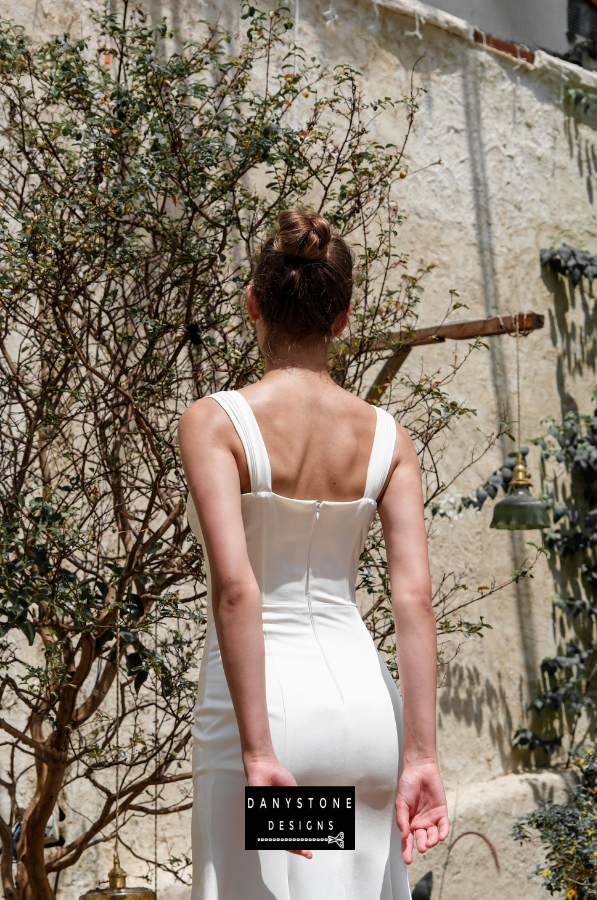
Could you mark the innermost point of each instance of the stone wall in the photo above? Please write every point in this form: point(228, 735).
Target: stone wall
point(518, 171)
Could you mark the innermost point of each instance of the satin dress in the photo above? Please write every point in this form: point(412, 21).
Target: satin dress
point(335, 713)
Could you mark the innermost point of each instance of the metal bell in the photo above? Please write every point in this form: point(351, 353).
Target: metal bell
point(118, 889)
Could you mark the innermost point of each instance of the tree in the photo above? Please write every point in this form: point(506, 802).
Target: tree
point(136, 183)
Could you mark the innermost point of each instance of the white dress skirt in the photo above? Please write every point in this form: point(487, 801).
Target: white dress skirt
point(335, 713)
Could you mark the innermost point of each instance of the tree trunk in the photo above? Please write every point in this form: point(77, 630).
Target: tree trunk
point(8, 886)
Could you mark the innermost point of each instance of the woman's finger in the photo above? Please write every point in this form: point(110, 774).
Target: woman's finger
point(421, 839)
point(407, 848)
point(402, 818)
point(306, 853)
point(444, 828)
point(432, 836)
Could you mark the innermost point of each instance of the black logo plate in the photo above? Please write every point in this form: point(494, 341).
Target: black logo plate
point(314, 818)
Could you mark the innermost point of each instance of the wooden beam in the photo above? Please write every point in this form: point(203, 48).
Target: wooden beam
point(465, 329)
point(386, 375)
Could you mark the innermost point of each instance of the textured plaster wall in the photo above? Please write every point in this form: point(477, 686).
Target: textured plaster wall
point(518, 171)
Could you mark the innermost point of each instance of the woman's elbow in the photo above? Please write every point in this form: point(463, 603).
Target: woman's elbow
point(229, 601)
point(418, 604)
point(232, 599)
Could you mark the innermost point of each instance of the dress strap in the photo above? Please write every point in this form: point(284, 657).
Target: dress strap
point(381, 454)
point(244, 421)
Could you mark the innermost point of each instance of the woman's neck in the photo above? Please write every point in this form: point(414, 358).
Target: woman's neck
point(309, 355)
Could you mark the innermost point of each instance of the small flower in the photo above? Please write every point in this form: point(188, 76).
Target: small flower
point(571, 893)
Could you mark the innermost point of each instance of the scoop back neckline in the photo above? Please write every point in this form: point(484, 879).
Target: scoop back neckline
point(245, 422)
point(298, 500)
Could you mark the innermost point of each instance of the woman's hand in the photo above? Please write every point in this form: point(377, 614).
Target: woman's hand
point(267, 772)
point(421, 810)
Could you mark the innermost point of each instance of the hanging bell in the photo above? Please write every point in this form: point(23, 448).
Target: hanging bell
point(520, 511)
point(118, 889)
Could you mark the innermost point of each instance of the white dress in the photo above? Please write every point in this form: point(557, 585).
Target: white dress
point(335, 713)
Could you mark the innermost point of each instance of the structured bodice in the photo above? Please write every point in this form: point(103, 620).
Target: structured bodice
point(302, 548)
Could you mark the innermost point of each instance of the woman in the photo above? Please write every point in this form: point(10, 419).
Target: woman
point(285, 477)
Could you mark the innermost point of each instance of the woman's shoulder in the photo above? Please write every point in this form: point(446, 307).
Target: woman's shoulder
point(363, 408)
point(205, 418)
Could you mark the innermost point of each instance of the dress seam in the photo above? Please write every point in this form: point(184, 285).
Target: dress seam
point(309, 606)
point(271, 656)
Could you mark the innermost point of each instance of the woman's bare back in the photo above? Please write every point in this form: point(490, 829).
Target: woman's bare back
point(331, 435)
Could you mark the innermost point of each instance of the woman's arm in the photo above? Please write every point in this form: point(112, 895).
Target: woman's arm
point(421, 809)
point(210, 450)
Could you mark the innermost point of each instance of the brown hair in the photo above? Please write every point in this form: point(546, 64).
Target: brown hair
point(303, 276)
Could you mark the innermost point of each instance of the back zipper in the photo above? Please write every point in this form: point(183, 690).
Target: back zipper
point(318, 505)
point(315, 517)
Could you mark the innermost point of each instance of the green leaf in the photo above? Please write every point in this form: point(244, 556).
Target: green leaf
point(140, 679)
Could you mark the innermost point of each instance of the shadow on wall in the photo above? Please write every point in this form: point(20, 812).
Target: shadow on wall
point(469, 697)
point(573, 327)
point(582, 148)
point(574, 316)
point(573, 331)
point(475, 106)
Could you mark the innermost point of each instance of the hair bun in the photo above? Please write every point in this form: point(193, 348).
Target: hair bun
point(303, 277)
point(302, 234)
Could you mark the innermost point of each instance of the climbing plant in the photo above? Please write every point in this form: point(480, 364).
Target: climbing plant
point(570, 261)
point(582, 98)
point(563, 713)
point(568, 835)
